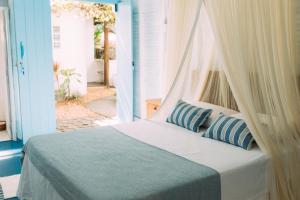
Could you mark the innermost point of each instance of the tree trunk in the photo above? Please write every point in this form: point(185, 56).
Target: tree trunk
point(106, 55)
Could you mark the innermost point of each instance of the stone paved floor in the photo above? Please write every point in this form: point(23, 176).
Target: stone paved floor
point(74, 115)
point(65, 125)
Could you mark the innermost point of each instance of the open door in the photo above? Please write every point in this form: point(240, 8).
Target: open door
point(124, 61)
point(32, 63)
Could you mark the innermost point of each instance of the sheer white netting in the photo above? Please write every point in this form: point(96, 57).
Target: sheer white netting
point(251, 47)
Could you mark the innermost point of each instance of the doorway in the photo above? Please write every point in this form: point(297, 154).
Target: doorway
point(85, 66)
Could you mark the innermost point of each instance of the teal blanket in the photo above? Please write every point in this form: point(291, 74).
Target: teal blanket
point(105, 164)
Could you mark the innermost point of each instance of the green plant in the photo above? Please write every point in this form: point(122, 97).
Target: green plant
point(69, 76)
point(97, 34)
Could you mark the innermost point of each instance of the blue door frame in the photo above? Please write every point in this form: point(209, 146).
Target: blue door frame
point(33, 67)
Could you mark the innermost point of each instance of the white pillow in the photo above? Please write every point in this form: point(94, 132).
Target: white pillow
point(216, 111)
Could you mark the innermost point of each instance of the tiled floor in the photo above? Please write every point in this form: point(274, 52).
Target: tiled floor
point(10, 147)
point(9, 185)
point(64, 125)
point(10, 163)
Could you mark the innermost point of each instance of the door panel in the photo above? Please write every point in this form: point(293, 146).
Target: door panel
point(124, 61)
point(32, 27)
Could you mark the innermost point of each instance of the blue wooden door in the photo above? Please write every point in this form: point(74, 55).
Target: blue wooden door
point(32, 57)
point(124, 61)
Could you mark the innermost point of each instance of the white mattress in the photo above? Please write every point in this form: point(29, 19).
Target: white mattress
point(243, 173)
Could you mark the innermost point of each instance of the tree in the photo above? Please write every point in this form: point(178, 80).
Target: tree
point(101, 13)
point(106, 17)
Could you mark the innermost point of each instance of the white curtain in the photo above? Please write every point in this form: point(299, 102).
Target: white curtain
point(182, 20)
point(258, 44)
point(255, 48)
point(182, 16)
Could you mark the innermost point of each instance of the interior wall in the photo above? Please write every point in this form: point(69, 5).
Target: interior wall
point(3, 83)
point(3, 70)
point(3, 95)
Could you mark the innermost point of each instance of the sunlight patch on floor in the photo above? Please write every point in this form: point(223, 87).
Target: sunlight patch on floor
point(107, 122)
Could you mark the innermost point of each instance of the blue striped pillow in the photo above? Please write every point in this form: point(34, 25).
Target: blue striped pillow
point(230, 130)
point(189, 116)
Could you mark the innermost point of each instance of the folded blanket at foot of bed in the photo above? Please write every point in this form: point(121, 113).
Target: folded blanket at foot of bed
point(103, 163)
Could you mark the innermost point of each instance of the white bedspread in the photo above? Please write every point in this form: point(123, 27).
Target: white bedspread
point(243, 173)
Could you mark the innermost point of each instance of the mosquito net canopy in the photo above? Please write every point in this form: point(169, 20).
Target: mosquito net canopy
point(242, 55)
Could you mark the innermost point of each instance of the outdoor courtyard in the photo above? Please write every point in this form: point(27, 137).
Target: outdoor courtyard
point(96, 108)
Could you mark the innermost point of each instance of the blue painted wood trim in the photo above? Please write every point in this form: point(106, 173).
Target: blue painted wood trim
point(136, 59)
point(14, 54)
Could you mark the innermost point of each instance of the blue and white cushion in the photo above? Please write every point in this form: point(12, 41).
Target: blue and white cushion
point(230, 130)
point(189, 116)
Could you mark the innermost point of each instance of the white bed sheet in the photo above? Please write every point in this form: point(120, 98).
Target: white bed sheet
point(244, 174)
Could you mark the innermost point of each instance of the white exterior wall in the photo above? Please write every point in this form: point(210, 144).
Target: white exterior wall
point(77, 50)
point(76, 46)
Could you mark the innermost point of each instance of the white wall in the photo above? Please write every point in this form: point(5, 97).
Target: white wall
point(76, 46)
point(3, 71)
point(95, 71)
point(3, 82)
point(77, 50)
point(97, 66)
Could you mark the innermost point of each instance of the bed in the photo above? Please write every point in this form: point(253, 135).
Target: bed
point(187, 166)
